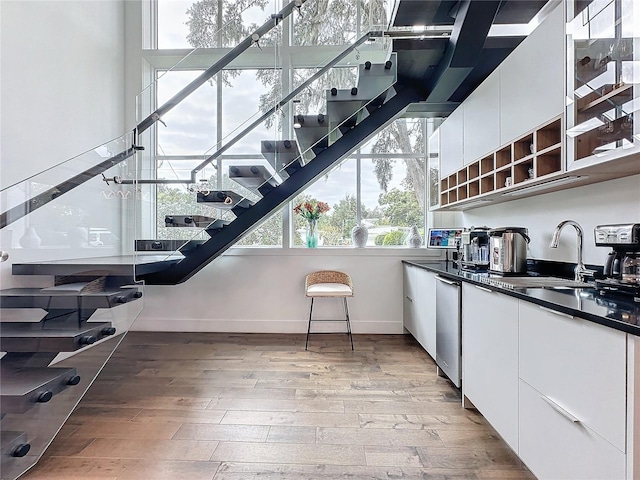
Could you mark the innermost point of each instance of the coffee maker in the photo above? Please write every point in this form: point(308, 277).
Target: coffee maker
point(622, 266)
point(475, 249)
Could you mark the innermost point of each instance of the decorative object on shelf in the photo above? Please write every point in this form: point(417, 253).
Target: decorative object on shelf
point(30, 239)
point(414, 240)
point(311, 211)
point(359, 236)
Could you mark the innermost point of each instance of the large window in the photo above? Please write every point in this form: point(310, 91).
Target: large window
point(382, 185)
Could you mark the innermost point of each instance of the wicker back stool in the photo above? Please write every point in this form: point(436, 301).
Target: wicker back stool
point(329, 284)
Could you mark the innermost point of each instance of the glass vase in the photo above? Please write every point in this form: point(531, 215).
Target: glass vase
point(312, 233)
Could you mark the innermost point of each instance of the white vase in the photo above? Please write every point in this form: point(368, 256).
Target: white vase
point(414, 240)
point(359, 236)
point(30, 239)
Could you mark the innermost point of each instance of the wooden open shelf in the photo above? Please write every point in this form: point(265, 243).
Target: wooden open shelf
point(474, 170)
point(549, 162)
point(509, 167)
point(503, 157)
point(549, 135)
point(501, 177)
point(487, 184)
point(523, 147)
point(474, 188)
point(486, 164)
point(523, 171)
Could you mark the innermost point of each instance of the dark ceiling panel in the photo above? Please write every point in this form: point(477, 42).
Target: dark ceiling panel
point(421, 12)
point(518, 11)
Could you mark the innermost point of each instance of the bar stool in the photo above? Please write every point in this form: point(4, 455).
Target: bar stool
point(329, 284)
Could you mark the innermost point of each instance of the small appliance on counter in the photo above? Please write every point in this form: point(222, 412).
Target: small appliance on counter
point(475, 249)
point(445, 238)
point(508, 250)
point(622, 266)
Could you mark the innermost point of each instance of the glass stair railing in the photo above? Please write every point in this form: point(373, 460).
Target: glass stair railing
point(71, 296)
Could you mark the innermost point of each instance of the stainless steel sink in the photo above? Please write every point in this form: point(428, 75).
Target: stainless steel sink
point(535, 282)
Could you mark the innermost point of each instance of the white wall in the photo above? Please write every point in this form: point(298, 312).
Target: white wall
point(62, 93)
point(258, 291)
point(614, 201)
point(62, 81)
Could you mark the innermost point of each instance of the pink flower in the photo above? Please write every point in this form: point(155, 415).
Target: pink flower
point(311, 210)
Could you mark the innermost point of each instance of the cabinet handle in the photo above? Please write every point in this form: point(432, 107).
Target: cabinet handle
point(560, 410)
point(484, 289)
point(448, 282)
point(408, 298)
point(555, 312)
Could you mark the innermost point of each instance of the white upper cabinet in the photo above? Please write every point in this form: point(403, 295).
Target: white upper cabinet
point(532, 79)
point(482, 119)
point(451, 143)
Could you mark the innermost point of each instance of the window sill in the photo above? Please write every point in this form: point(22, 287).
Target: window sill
point(405, 252)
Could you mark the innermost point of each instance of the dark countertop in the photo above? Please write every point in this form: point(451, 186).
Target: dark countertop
point(621, 313)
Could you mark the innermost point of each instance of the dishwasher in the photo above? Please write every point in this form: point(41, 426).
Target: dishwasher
point(448, 329)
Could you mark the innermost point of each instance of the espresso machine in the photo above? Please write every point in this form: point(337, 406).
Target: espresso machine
point(475, 249)
point(622, 266)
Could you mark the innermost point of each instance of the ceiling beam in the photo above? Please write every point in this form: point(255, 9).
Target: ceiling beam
point(470, 30)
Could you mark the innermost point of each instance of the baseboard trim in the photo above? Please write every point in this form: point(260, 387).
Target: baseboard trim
point(260, 326)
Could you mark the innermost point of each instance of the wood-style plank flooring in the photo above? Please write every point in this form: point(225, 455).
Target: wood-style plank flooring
point(199, 406)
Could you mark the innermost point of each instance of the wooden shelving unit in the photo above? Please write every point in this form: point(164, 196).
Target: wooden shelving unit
point(534, 155)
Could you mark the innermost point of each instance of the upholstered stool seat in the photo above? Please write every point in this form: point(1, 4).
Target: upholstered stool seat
point(329, 284)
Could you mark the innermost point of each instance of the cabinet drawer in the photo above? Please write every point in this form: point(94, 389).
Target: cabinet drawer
point(579, 364)
point(555, 447)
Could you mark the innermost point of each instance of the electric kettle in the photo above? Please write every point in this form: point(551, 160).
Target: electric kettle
point(508, 250)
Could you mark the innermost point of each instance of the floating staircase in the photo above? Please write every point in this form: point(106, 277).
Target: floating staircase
point(322, 140)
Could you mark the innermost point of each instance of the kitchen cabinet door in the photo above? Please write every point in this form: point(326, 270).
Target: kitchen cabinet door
point(490, 358)
point(419, 307)
point(408, 315)
point(532, 79)
point(482, 119)
point(425, 310)
point(451, 143)
point(555, 446)
point(578, 364)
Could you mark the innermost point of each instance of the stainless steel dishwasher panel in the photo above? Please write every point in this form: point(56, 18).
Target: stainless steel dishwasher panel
point(448, 328)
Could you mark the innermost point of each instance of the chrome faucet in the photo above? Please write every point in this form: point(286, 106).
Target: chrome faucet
point(580, 271)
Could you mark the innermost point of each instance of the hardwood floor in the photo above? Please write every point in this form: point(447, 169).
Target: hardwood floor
point(229, 406)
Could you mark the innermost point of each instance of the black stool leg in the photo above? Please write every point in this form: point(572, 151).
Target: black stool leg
point(346, 311)
point(309, 326)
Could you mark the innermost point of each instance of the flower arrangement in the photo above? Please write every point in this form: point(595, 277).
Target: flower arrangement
point(311, 210)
